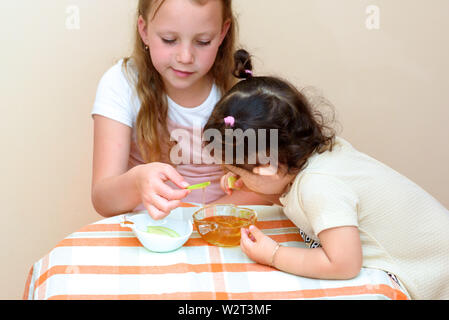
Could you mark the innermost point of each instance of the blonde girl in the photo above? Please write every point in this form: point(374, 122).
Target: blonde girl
point(178, 70)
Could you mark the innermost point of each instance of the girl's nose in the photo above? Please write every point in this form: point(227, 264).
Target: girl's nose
point(185, 55)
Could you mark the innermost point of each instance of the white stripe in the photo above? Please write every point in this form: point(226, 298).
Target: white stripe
point(127, 256)
point(105, 284)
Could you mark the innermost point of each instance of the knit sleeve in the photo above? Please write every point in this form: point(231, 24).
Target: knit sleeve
point(327, 202)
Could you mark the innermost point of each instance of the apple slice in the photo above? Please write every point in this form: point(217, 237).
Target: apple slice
point(231, 182)
point(162, 231)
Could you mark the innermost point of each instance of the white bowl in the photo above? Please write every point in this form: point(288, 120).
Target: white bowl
point(179, 220)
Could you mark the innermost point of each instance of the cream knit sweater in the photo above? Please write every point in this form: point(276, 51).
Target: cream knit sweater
point(403, 229)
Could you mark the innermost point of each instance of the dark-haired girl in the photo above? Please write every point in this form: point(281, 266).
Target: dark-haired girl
point(353, 210)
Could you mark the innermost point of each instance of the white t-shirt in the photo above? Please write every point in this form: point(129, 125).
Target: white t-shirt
point(116, 99)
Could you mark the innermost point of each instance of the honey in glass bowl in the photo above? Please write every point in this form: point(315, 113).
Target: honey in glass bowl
point(220, 224)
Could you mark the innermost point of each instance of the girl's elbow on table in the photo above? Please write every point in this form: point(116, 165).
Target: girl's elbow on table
point(346, 270)
point(343, 250)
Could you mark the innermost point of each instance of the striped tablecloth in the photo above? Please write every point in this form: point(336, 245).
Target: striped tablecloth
point(104, 260)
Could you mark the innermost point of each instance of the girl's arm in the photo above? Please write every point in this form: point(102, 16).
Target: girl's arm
point(115, 189)
point(340, 256)
point(113, 186)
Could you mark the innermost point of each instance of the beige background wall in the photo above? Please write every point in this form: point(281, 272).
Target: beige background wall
point(388, 85)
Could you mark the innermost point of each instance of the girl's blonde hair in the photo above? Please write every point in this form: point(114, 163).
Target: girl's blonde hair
point(152, 116)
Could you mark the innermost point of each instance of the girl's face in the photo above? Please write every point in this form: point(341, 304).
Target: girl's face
point(184, 38)
point(264, 179)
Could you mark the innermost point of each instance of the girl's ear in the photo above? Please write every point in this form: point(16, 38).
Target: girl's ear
point(143, 30)
point(224, 30)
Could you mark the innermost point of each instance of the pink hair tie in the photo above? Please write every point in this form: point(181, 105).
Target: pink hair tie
point(229, 121)
point(247, 71)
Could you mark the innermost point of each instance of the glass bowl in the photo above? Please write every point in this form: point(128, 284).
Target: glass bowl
point(220, 224)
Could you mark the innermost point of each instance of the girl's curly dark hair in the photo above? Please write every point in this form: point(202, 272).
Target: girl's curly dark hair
point(272, 103)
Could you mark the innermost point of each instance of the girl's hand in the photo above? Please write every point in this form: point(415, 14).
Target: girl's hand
point(257, 246)
point(157, 197)
point(226, 187)
point(262, 180)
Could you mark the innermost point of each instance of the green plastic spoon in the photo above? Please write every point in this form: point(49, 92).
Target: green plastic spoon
point(198, 186)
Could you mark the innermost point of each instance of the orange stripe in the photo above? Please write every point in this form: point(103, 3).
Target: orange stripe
point(105, 242)
point(300, 294)
point(115, 227)
point(163, 296)
point(44, 269)
point(27, 284)
point(274, 224)
point(381, 289)
point(118, 242)
point(134, 242)
point(287, 237)
point(111, 227)
point(216, 267)
point(394, 283)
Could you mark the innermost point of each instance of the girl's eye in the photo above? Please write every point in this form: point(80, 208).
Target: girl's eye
point(204, 43)
point(168, 41)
